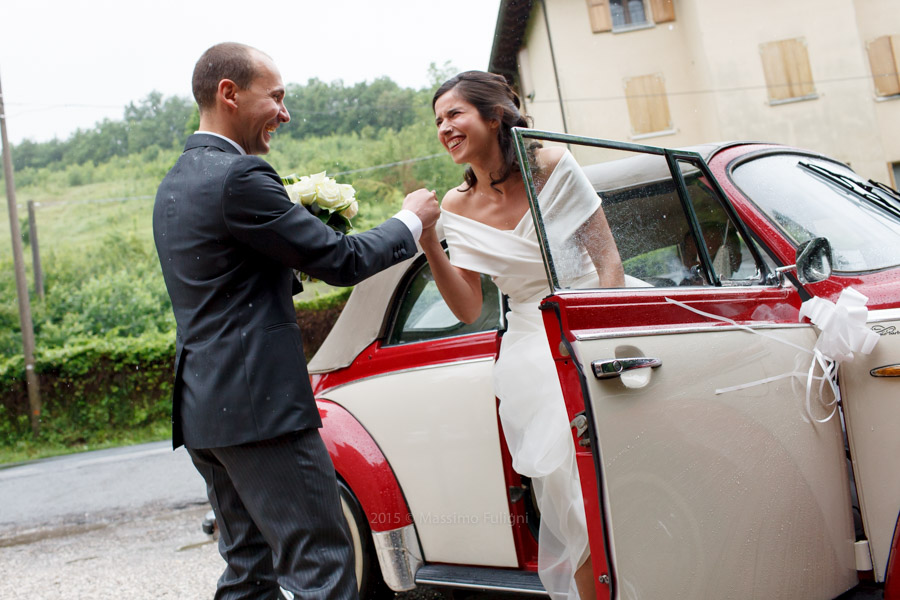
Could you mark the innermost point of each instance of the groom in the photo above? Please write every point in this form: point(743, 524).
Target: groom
point(228, 239)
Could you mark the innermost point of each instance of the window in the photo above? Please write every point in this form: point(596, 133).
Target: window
point(423, 314)
point(828, 200)
point(730, 256)
point(662, 238)
point(884, 60)
point(622, 15)
point(788, 74)
point(627, 13)
point(653, 235)
point(648, 106)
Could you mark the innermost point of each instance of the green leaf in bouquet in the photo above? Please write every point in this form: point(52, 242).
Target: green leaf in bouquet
point(339, 223)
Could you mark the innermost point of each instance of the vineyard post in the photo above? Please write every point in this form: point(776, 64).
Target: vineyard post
point(31, 380)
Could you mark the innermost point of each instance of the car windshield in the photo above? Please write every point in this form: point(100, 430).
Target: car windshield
point(809, 197)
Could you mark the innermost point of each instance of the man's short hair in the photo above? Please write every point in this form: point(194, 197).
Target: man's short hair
point(228, 60)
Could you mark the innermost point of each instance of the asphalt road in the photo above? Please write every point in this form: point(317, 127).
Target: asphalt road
point(85, 487)
point(120, 524)
point(124, 524)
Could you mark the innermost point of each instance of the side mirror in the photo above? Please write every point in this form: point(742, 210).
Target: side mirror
point(814, 260)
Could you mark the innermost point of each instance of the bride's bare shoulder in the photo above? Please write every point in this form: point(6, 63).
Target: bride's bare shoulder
point(548, 158)
point(455, 201)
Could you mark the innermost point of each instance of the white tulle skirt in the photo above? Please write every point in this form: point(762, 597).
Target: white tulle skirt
point(537, 432)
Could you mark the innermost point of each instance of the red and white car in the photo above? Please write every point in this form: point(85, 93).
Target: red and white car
point(711, 465)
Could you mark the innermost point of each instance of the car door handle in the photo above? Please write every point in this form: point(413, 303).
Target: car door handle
point(614, 367)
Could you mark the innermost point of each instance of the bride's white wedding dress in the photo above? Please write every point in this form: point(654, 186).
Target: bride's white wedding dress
point(532, 409)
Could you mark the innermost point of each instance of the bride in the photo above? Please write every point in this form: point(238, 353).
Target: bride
point(489, 230)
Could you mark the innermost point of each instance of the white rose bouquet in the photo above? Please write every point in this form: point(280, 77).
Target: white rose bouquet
point(332, 202)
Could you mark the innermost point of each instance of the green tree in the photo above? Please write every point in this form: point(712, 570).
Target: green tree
point(157, 121)
point(321, 109)
point(438, 75)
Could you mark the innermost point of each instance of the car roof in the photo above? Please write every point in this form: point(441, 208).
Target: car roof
point(640, 169)
point(362, 320)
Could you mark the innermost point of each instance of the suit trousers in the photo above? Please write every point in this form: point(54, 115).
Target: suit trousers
point(280, 521)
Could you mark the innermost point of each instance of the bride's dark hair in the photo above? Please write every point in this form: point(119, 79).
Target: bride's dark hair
point(495, 100)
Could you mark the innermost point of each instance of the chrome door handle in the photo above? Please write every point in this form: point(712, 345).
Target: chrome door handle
point(614, 367)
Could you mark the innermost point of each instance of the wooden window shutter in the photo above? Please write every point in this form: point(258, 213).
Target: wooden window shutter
point(648, 106)
point(663, 10)
point(884, 60)
point(598, 11)
point(787, 70)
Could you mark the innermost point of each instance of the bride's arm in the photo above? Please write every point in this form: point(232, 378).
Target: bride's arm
point(460, 288)
point(594, 234)
point(597, 239)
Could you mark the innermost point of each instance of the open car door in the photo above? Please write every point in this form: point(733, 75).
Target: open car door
point(706, 471)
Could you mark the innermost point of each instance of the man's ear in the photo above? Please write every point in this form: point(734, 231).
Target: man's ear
point(227, 93)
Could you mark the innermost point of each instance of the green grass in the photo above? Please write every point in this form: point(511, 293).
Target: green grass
point(28, 450)
point(73, 227)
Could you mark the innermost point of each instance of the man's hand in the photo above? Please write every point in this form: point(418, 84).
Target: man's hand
point(424, 203)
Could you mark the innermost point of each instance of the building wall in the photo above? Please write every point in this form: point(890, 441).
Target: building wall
point(715, 84)
point(876, 18)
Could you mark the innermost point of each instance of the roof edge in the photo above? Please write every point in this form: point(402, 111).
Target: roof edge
point(512, 20)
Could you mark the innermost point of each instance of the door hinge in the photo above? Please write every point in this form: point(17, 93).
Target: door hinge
point(580, 425)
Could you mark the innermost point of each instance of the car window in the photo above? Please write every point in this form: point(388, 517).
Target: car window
point(648, 223)
point(421, 313)
point(807, 197)
point(729, 255)
point(654, 228)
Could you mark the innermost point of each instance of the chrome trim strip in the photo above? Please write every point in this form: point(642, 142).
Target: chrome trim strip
point(479, 586)
point(585, 337)
point(885, 314)
point(738, 289)
point(399, 556)
point(451, 337)
point(324, 393)
point(875, 316)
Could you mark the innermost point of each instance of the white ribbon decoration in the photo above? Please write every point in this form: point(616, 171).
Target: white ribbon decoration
point(842, 325)
point(842, 331)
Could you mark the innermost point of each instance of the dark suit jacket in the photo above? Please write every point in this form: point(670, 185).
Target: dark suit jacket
point(228, 238)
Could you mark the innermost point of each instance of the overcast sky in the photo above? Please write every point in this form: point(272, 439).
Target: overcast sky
point(65, 65)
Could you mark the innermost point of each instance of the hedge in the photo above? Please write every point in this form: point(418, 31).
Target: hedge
point(97, 385)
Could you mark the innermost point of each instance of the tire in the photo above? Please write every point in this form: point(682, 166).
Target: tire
point(369, 581)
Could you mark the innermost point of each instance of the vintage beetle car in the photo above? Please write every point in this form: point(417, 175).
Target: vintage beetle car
point(711, 466)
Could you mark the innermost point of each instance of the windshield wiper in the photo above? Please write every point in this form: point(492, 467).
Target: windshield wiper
point(856, 187)
point(886, 189)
